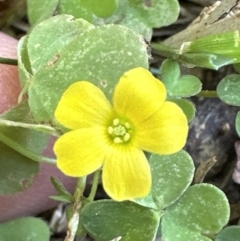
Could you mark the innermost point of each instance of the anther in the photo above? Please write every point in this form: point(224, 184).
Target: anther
point(127, 125)
point(110, 130)
point(116, 122)
point(117, 140)
point(126, 137)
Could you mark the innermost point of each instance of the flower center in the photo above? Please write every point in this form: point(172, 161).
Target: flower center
point(119, 131)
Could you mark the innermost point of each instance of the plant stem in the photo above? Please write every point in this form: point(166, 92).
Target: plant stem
point(37, 127)
point(8, 61)
point(208, 93)
point(74, 220)
point(94, 185)
point(25, 152)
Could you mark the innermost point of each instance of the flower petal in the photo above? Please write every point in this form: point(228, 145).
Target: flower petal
point(83, 105)
point(80, 152)
point(165, 132)
point(138, 95)
point(126, 173)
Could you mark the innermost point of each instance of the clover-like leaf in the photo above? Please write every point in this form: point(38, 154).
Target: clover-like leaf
point(170, 72)
point(17, 172)
point(230, 233)
point(171, 175)
point(19, 146)
point(229, 88)
point(201, 211)
point(237, 123)
point(91, 56)
point(142, 16)
point(40, 10)
point(50, 36)
point(23, 229)
point(184, 86)
point(102, 9)
point(187, 85)
point(187, 106)
point(24, 65)
point(107, 219)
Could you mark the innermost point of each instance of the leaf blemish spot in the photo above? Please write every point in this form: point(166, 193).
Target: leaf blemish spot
point(11, 176)
point(54, 60)
point(148, 3)
point(103, 83)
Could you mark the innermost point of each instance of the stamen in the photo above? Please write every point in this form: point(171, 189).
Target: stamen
point(110, 130)
point(119, 130)
point(127, 125)
point(117, 140)
point(116, 122)
point(126, 137)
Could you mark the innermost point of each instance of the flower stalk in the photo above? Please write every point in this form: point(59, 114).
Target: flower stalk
point(74, 220)
point(94, 185)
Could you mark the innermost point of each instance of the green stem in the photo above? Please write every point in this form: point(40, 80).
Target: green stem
point(208, 93)
point(25, 152)
point(37, 127)
point(8, 61)
point(94, 185)
point(80, 188)
point(74, 220)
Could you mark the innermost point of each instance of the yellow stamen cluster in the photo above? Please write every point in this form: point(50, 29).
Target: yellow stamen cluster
point(119, 131)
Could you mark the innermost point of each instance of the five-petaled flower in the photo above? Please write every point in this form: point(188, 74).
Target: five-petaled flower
point(114, 136)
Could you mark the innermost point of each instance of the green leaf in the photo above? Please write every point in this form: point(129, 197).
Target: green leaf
point(187, 106)
point(106, 219)
point(185, 86)
point(24, 66)
point(77, 8)
point(23, 229)
point(192, 59)
point(142, 16)
point(165, 50)
point(17, 113)
point(32, 140)
point(230, 233)
point(88, 9)
point(229, 88)
point(170, 72)
point(40, 10)
point(62, 198)
point(103, 9)
point(205, 60)
point(212, 51)
point(100, 55)
point(237, 67)
point(201, 211)
point(225, 44)
point(16, 171)
point(171, 175)
point(49, 37)
point(63, 194)
point(149, 11)
point(237, 123)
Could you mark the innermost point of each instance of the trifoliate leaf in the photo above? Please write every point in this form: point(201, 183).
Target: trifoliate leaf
point(107, 219)
point(229, 88)
point(201, 211)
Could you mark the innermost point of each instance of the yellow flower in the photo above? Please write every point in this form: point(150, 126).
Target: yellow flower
point(113, 136)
